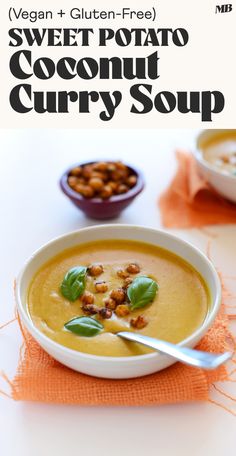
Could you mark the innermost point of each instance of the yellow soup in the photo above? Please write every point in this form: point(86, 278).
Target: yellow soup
point(220, 152)
point(178, 309)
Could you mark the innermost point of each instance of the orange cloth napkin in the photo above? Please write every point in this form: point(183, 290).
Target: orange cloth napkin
point(189, 201)
point(40, 378)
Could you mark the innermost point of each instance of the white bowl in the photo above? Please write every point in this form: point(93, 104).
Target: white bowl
point(224, 184)
point(116, 367)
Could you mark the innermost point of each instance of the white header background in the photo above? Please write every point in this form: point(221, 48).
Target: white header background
point(207, 62)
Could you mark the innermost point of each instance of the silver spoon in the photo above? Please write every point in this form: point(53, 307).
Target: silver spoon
point(189, 356)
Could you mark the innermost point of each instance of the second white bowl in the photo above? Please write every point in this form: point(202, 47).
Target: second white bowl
point(224, 184)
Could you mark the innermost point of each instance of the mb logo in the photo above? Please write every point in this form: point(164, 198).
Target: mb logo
point(224, 8)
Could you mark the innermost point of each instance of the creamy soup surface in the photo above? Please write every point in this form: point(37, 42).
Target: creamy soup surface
point(220, 152)
point(179, 308)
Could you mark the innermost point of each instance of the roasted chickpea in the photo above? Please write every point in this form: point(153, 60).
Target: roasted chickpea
point(122, 273)
point(81, 180)
point(111, 167)
point(110, 303)
point(101, 287)
point(127, 282)
point(87, 191)
point(76, 171)
point(96, 183)
point(113, 185)
point(118, 295)
point(122, 188)
point(79, 188)
point(95, 270)
point(122, 310)
point(121, 166)
point(72, 181)
point(87, 298)
point(90, 309)
point(98, 174)
point(105, 313)
point(100, 166)
point(140, 322)
point(131, 181)
point(117, 175)
point(104, 176)
point(133, 268)
point(106, 192)
point(87, 171)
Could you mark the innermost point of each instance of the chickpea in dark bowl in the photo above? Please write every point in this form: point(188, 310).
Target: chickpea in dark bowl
point(102, 189)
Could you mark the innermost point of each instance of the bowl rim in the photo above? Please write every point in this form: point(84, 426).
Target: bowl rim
point(46, 341)
point(131, 193)
point(196, 152)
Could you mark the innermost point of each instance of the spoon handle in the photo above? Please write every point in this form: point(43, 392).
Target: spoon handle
point(187, 355)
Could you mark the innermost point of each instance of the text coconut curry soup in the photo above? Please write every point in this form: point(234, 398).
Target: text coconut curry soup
point(82, 297)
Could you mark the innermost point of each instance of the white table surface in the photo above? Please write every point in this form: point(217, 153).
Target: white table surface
point(32, 211)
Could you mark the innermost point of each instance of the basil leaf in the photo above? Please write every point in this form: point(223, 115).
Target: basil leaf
point(142, 291)
point(73, 284)
point(84, 326)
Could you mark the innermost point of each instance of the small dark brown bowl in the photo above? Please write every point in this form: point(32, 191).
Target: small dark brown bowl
point(98, 208)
